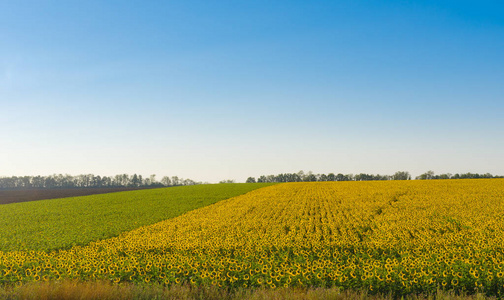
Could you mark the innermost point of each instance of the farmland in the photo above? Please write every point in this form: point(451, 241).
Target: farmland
point(25, 195)
point(399, 237)
point(63, 223)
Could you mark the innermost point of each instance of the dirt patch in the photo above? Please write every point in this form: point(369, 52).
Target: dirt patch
point(14, 196)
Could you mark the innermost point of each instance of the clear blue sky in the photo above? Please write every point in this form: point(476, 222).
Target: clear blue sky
point(213, 90)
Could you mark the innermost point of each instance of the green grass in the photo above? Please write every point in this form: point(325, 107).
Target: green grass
point(62, 223)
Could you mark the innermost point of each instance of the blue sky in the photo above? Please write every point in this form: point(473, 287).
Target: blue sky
point(214, 90)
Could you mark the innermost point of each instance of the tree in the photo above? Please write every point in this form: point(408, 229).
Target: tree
point(106, 181)
point(280, 178)
point(50, 182)
point(175, 180)
point(97, 181)
point(427, 175)
point(401, 175)
point(270, 178)
point(134, 180)
point(340, 177)
point(188, 182)
point(166, 181)
point(294, 177)
point(331, 177)
point(251, 180)
point(310, 177)
point(262, 178)
point(152, 179)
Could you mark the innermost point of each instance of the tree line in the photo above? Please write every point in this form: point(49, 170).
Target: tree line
point(301, 176)
point(431, 175)
point(310, 176)
point(137, 181)
point(90, 181)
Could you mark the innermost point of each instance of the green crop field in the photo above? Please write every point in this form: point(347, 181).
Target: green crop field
point(63, 223)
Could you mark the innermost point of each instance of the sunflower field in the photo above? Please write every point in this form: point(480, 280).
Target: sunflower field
point(396, 236)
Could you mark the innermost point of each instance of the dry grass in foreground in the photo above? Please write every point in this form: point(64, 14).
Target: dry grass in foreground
point(69, 290)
